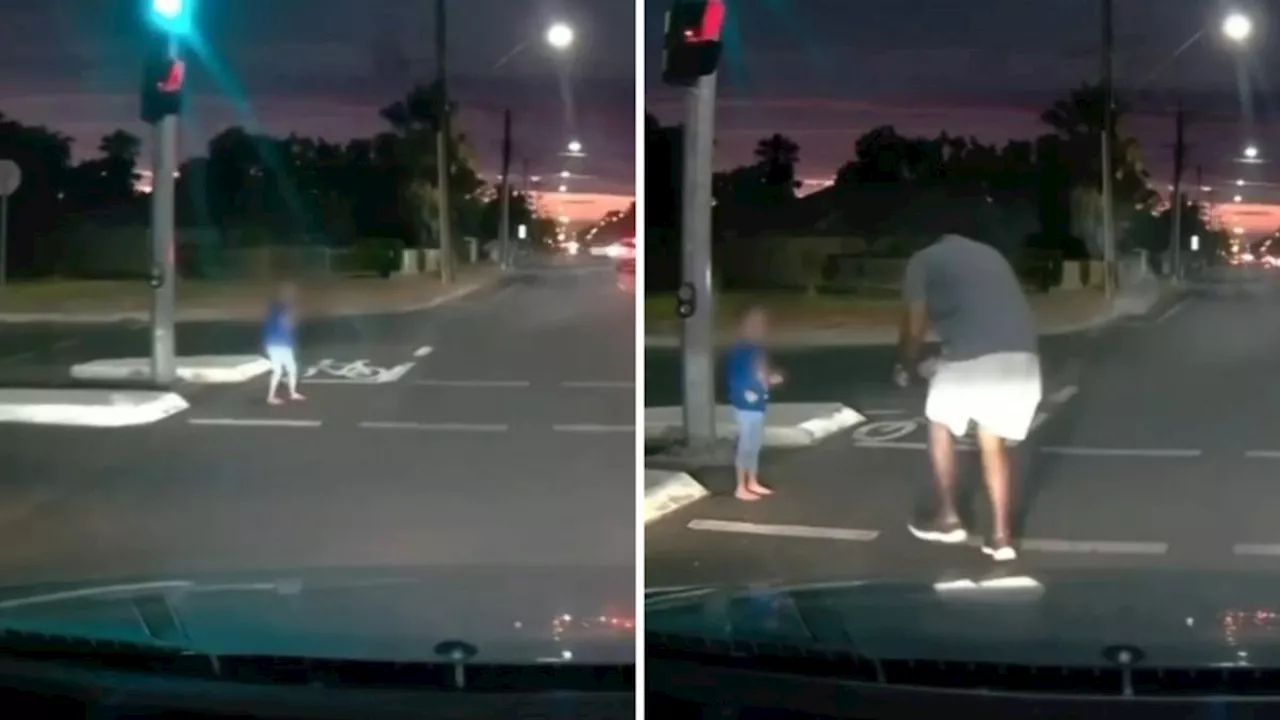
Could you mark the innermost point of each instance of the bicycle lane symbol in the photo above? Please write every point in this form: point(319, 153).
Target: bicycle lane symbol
point(356, 372)
point(892, 432)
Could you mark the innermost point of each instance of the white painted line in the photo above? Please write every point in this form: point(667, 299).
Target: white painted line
point(473, 383)
point(1266, 454)
point(1264, 549)
point(600, 384)
point(1063, 395)
point(796, 531)
point(423, 351)
point(441, 427)
point(1123, 452)
point(18, 356)
point(594, 428)
point(875, 413)
point(961, 445)
point(1085, 547)
point(254, 422)
point(1171, 311)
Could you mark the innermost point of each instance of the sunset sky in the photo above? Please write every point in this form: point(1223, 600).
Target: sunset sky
point(826, 71)
point(325, 67)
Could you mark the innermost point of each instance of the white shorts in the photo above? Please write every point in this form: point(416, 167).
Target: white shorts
point(1000, 392)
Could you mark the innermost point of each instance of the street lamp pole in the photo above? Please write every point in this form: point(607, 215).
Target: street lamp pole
point(443, 162)
point(164, 293)
point(504, 235)
point(1110, 274)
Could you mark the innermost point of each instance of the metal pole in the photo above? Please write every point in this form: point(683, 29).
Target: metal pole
point(698, 331)
point(1110, 276)
point(1175, 233)
point(504, 233)
point(443, 162)
point(4, 239)
point(163, 352)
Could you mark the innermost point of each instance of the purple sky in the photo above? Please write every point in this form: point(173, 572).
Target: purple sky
point(324, 67)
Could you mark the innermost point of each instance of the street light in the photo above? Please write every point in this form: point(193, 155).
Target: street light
point(575, 147)
point(564, 173)
point(1238, 199)
point(559, 36)
point(1251, 152)
point(172, 16)
point(1239, 183)
point(1237, 27)
point(564, 188)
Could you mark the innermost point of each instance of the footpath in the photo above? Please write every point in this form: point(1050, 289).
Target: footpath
point(832, 321)
point(88, 301)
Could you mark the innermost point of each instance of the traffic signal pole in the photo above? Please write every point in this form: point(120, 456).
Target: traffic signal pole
point(504, 233)
point(697, 341)
point(443, 162)
point(164, 276)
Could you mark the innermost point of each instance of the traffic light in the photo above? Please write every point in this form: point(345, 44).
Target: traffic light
point(691, 49)
point(163, 77)
point(172, 17)
point(684, 301)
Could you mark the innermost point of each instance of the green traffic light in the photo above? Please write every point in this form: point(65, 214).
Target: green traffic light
point(172, 16)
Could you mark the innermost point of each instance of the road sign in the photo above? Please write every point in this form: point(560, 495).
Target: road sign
point(10, 177)
point(10, 181)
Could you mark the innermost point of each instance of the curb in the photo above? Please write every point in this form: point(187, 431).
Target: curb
point(89, 408)
point(198, 370)
point(195, 316)
point(666, 491)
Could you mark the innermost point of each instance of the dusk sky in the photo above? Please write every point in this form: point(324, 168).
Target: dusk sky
point(325, 67)
point(825, 71)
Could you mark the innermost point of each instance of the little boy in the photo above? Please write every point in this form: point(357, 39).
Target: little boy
point(750, 378)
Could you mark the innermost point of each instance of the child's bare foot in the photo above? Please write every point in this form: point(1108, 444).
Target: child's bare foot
point(745, 495)
point(297, 396)
point(758, 489)
point(274, 401)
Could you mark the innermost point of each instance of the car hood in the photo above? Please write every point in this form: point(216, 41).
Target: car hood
point(509, 615)
point(1167, 618)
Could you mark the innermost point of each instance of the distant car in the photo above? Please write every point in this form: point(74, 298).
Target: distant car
point(626, 264)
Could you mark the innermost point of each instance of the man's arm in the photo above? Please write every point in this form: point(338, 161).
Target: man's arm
point(915, 316)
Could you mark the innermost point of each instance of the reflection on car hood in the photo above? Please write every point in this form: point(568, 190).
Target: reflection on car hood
point(511, 615)
point(1173, 618)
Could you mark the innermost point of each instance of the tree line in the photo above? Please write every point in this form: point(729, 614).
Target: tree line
point(260, 189)
point(1051, 183)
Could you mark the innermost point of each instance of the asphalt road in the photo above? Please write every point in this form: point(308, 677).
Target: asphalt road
point(508, 439)
point(1160, 446)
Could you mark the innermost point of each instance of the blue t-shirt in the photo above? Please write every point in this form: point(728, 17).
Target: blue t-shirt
point(746, 360)
point(278, 331)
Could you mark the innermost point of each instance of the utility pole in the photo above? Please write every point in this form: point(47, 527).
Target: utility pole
point(1110, 276)
point(504, 234)
point(443, 161)
point(698, 330)
point(1179, 156)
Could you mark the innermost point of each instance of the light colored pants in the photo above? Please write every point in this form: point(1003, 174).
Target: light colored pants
point(750, 440)
point(283, 362)
point(1000, 392)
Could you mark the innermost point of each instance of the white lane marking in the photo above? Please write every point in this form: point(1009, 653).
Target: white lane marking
point(890, 445)
point(1063, 395)
point(18, 356)
point(594, 428)
point(423, 351)
point(1171, 311)
point(797, 531)
point(874, 413)
point(441, 427)
point(1085, 547)
point(1265, 549)
point(601, 384)
point(1265, 454)
point(254, 422)
point(473, 383)
point(1123, 452)
point(63, 344)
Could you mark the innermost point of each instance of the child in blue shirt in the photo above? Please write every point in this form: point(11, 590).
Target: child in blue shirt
point(750, 378)
point(279, 336)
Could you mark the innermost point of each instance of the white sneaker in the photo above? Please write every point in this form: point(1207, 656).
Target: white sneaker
point(1002, 553)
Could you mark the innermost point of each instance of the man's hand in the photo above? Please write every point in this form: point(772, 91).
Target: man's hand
point(901, 377)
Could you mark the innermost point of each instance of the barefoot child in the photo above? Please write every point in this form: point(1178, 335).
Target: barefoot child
point(280, 338)
point(750, 377)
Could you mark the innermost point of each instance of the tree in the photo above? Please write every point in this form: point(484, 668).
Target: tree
point(778, 156)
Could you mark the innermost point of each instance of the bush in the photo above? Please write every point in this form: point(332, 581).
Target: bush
point(380, 256)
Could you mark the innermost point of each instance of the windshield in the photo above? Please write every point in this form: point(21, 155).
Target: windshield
point(260, 330)
point(988, 289)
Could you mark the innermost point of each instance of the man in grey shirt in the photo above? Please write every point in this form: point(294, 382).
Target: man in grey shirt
point(988, 373)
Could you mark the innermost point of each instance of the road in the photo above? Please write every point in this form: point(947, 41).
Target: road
point(1159, 446)
point(507, 438)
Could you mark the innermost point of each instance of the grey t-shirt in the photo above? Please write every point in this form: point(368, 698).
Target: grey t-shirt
point(975, 301)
